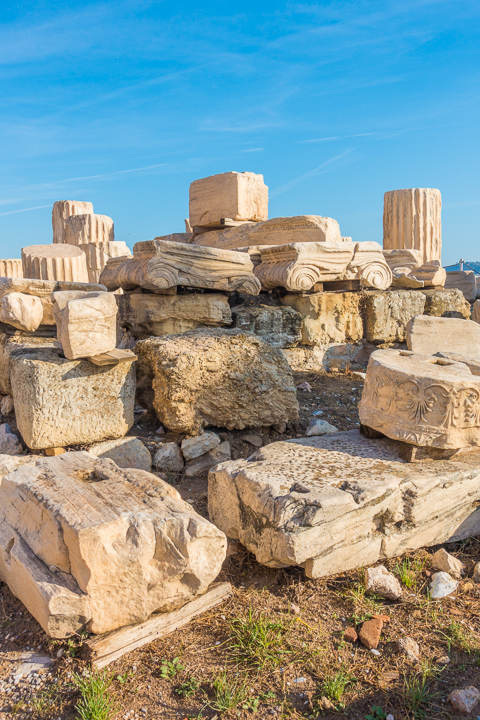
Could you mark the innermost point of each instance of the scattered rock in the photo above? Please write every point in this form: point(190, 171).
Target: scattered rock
point(389, 717)
point(327, 704)
point(375, 652)
point(320, 427)
point(350, 635)
point(378, 581)
point(127, 452)
point(444, 660)
point(464, 701)
point(417, 614)
point(442, 585)
point(9, 442)
point(169, 458)
point(160, 431)
point(305, 386)
point(370, 632)
point(280, 427)
point(442, 560)
point(410, 648)
point(218, 455)
point(294, 609)
point(255, 440)
point(476, 573)
point(6, 406)
point(467, 587)
point(199, 445)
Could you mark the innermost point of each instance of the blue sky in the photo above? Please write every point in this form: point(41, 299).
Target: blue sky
point(125, 103)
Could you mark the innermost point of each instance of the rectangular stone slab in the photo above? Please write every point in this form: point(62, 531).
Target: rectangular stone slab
point(429, 335)
point(340, 501)
point(239, 196)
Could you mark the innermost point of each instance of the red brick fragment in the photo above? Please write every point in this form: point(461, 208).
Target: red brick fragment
point(370, 631)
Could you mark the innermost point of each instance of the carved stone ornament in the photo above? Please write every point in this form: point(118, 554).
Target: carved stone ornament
point(159, 265)
point(422, 400)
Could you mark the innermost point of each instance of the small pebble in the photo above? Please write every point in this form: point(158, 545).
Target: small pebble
point(375, 652)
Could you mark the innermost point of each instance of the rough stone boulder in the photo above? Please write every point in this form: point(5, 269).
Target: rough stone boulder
point(86, 544)
point(341, 501)
point(279, 326)
point(224, 378)
point(60, 402)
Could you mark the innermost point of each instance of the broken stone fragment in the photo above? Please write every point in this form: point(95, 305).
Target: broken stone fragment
point(464, 280)
point(24, 312)
point(317, 426)
point(9, 442)
point(123, 543)
point(442, 560)
point(233, 195)
point(442, 585)
point(6, 406)
point(430, 335)
point(199, 445)
point(369, 633)
point(168, 458)
point(378, 581)
point(409, 647)
point(476, 573)
point(464, 701)
point(86, 324)
point(127, 452)
point(350, 635)
point(219, 454)
point(62, 210)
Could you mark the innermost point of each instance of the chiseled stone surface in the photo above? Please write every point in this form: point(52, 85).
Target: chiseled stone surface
point(11, 268)
point(224, 378)
point(100, 547)
point(429, 335)
point(386, 314)
point(14, 346)
point(127, 452)
point(279, 326)
point(62, 210)
point(54, 262)
point(60, 402)
point(443, 302)
point(465, 281)
point(147, 314)
point(328, 317)
point(422, 400)
point(234, 195)
point(412, 220)
point(24, 312)
point(89, 228)
point(86, 323)
point(341, 501)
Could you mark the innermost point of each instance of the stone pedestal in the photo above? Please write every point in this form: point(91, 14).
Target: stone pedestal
point(89, 228)
point(62, 210)
point(412, 220)
point(54, 262)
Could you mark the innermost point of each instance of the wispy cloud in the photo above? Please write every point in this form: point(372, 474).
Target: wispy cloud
point(105, 175)
point(252, 150)
point(337, 137)
point(14, 212)
point(316, 171)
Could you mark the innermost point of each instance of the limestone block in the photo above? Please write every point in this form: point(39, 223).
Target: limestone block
point(465, 281)
point(147, 314)
point(60, 402)
point(11, 268)
point(386, 314)
point(358, 502)
point(62, 210)
point(86, 325)
point(224, 378)
point(86, 544)
point(89, 228)
point(319, 358)
point(15, 345)
point(24, 312)
point(412, 220)
point(127, 452)
point(54, 262)
point(441, 302)
point(279, 326)
point(159, 265)
point(429, 335)
point(328, 317)
point(422, 400)
point(234, 195)
point(99, 253)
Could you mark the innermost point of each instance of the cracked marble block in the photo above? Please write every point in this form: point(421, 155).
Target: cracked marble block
point(422, 400)
point(233, 195)
point(62, 210)
point(54, 262)
point(89, 228)
point(86, 322)
point(337, 502)
point(85, 544)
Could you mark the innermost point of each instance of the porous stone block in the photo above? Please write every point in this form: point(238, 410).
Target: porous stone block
point(98, 254)
point(62, 210)
point(279, 326)
point(333, 503)
point(443, 302)
point(421, 400)
point(24, 312)
point(11, 268)
point(224, 378)
point(127, 452)
point(85, 544)
point(147, 314)
point(86, 325)
point(386, 314)
point(328, 317)
point(89, 228)
point(412, 220)
point(234, 195)
point(54, 262)
point(429, 335)
point(465, 281)
point(60, 402)
point(14, 346)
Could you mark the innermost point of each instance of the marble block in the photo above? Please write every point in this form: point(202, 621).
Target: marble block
point(24, 312)
point(464, 280)
point(54, 262)
point(89, 228)
point(429, 335)
point(412, 221)
point(233, 195)
point(11, 268)
point(62, 210)
point(86, 323)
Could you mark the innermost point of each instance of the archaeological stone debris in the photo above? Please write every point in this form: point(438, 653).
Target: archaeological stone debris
point(124, 372)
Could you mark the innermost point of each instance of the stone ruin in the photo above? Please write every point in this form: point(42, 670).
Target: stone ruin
point(203, 329)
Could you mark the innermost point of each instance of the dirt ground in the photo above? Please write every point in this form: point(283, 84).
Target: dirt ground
point(275, 649)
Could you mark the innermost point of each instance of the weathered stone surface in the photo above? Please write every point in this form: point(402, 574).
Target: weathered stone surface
point(317, 426)
point(15, 345)
point(442, 585)
point(219, 454)
point(86, 325)
point(127, 452)
point(24, 312)
point(279, 326)
point(431, 275)
point(380, 507)
point(98, 254)
point(441, 302)
point(9, 442)
point(6, 406)
point(159, 265)
point(122, 543)
point(386, 314)
point(61, 402)
point(224, 378)
point(199, 445)
point(412, 220)
point(234, 195)
point(378, 581)
point(54, 262)
point(62, 210)
point(476, 573)
point(340, 356)
point(442, 560)
point(429, 335)
point(403, 259)
point(88, 228)
point(11, 268)
point(369, 265)
point(169, 458)
point(186, 237)
point(328, 317)
point(465, 700)
point(409, 647)
point(465, 281)
point(369, 634)
point(476, 311)
point(421, 400)
point(147, 314)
